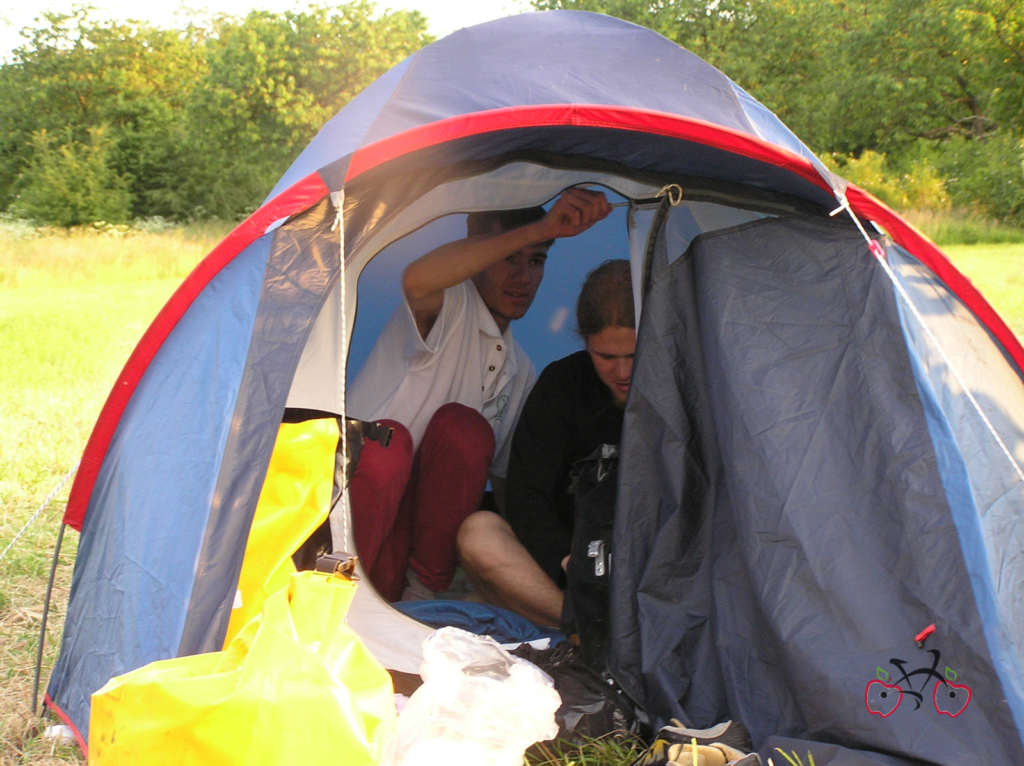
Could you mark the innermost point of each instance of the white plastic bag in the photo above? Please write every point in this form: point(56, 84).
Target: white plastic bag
point(478, 704)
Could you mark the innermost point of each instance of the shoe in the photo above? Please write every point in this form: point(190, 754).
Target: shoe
point(725, 744)
point(662, 754)
point(731, 733)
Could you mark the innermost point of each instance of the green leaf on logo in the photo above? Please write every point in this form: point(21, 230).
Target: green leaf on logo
point(951, 675)
point(881, 673)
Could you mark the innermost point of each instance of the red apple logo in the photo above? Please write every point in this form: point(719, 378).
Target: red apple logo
point(881, 698)
point(951, 699)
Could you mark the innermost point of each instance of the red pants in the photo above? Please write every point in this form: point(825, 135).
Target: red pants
point(406, 509)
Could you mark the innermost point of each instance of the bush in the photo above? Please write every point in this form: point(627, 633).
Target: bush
point(973, 188)
point(70, 183)
point(12, 228)
point(912, 184)
point(986, 175)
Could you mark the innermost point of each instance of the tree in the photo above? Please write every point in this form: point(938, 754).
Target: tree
point(71, 182)
point(850, 75)
point(273, 81)
point(996, 29)
point(75, 75)
point(193, 122)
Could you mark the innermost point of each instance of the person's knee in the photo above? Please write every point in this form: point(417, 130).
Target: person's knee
point(481, 539)
point(463, 431)
point(380, 468)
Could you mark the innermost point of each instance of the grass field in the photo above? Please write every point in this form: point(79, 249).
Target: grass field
point(72, 308)
point(998, 272)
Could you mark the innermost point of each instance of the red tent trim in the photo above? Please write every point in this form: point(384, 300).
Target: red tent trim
point(295, 199)
point(582, 115)
point(69, 723)
point(867, 206)
point(312, 188)
point(699, 131)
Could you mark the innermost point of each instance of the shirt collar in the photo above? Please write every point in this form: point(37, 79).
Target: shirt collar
point(489, 327)
point(485, 319)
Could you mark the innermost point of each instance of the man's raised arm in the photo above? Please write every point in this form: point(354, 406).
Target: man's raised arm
point(425, 279)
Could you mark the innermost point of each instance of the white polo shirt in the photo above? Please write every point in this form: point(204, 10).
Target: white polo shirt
point(464, 359)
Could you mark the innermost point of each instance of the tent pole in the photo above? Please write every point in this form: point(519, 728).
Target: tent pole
point(46, 611)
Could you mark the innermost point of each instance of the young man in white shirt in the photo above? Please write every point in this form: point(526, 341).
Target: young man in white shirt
point(448, 375)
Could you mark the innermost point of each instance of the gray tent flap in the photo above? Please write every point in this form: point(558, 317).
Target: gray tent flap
point(303, 265)
point(783, 530)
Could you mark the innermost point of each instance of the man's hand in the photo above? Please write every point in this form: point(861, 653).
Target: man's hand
point(426, 278)
point(574, 212)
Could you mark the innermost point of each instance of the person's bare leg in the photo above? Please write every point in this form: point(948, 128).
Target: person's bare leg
point(504, 572)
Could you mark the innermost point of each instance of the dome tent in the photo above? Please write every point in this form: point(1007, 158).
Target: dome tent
point(825, 560)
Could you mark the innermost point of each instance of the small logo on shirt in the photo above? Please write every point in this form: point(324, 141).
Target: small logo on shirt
point(501, 406)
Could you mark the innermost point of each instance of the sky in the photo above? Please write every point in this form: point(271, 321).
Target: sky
point(444, 16)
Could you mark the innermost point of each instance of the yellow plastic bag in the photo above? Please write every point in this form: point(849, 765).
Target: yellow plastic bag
point(295, 686)
point(294, 501)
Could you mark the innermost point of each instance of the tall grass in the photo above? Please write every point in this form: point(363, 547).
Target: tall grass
point(961, 228)
point(611, 749)
point(101, 254)
point(72, 307)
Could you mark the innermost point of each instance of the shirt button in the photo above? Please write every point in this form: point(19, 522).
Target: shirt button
point(491, 368)
point(499, 347)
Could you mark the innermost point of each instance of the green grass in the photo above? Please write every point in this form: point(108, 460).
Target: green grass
point(958, 228)
point(795, 759)
point(998, 273)
point(72, 307)
point(611, 749)
point(108, 255)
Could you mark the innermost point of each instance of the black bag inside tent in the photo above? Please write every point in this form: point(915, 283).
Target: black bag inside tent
point(594, 481)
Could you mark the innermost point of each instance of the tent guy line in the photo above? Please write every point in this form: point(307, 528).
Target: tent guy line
point(40, 509)
point(879, 253)
point(953, 369)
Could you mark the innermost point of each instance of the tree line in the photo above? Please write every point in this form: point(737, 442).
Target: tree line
point(105, 120)
point(919, 100)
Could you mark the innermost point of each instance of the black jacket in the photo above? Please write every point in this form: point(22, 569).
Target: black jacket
point(567, 415)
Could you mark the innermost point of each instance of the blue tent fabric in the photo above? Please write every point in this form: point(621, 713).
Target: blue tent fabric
point(777, 550)
point(487, 67)
point(810, 484)
point(555, 57)
point(134, 571)
point(147, 583)
point(469, 71)
point(995, 501)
